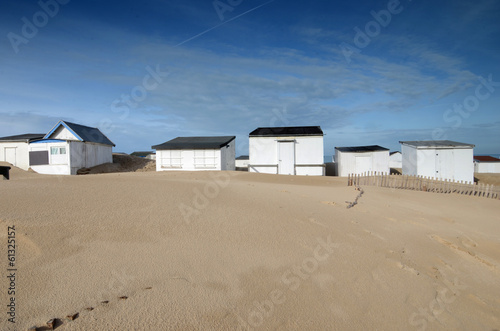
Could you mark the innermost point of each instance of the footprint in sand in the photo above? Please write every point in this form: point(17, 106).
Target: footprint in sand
point(57, 322)
point(464, 252)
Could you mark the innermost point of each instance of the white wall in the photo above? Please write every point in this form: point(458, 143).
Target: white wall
point(78, 155)
point(61, 168)
point(308, 151)
point(63, 134)
point(396, 160)
point(348, 164)
point(15, 153)
point(454, 164)
point(242, 163)
point(487, 167)
point(188, 160)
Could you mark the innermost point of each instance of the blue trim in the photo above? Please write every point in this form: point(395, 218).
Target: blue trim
point(66, 126)
point(47, 141)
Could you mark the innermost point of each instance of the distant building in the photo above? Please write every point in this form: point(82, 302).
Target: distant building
point(196, 153)
point(441, 159)
point(287, 151)
point(69, 147)
point(395, 160)
point(14, 149)
point(486, 164)
point(142, 154)
point(361, 159)
point(242, 162)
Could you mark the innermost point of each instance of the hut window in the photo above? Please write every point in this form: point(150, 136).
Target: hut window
point(205, 158)
point(57, 150)
point(171, 159)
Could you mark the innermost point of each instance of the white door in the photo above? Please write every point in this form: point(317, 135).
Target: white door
point(286, 158)
point(363, 164)
point(444, 158)
point(10, 155)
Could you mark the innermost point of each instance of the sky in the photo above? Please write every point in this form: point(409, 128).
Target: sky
point(145, 72)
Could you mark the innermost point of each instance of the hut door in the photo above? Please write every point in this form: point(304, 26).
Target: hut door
point(444, 164)
point(286, 158)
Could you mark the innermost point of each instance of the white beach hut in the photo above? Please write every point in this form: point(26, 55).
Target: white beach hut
point(69, 147)
point(15, 149)
point(196, 153)
point(287, 151)
point(441, 159)
point(395, 160)
point(361, 159)
point(242, 162)
point(486, 165)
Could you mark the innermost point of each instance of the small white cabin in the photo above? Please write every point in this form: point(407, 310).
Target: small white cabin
point(196, 153)
point(287, 151)
point(361, 159)
point(69, 147)
point(440, 159)
point(15, 149)
point(486, 165)
point(242, 162)
point(395, 160)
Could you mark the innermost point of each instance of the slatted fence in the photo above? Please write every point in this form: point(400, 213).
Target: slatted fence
point(421, 183)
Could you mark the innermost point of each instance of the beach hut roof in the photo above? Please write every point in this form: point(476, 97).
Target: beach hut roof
point(287, 131)
point(82, 133)
point(195, 143)
point(436, 144)
point(23, 137)
point(358, 149)
point(486, 158)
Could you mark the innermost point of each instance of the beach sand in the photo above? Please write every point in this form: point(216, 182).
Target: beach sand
point(236, 250)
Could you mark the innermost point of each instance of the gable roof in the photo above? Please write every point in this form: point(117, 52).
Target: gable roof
point(395, 152)
point(196, 143)
point(436, 144)
point(361, 149)
point(287, 131)
point(82, 133)
point(486, 158)
point(28, 137)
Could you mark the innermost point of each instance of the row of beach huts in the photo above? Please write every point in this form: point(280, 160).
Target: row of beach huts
point(68, 147)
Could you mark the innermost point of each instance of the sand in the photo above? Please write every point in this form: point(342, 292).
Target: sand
point(121, 163)
point(491, 179)
point(235, 250)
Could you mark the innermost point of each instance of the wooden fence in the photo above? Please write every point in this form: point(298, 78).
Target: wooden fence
point(427, 184)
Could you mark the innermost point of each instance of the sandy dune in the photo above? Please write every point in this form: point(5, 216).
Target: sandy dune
point(234, 250)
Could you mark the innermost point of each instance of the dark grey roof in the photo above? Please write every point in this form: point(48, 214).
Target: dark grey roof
point(86, 133)
point(392, 153)
point(287, 131)
point(24, 137)
point(243, 157)
point(358, 149)
point(435, 143)
point(195, 143)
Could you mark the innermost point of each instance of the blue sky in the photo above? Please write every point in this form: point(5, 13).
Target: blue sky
point(367, 72)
